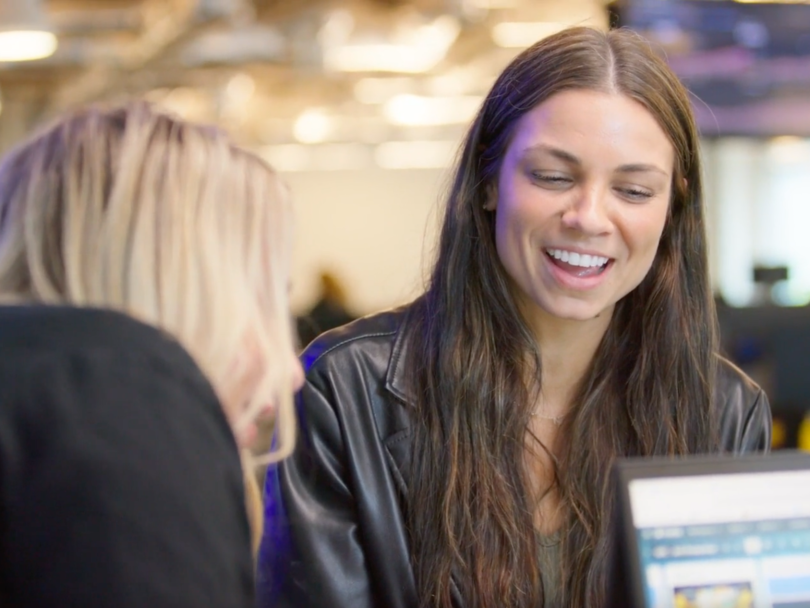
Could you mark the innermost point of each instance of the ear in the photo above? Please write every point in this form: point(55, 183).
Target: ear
point(492, 198)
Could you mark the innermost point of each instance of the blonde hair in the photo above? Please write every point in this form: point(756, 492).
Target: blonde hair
point(132, 209)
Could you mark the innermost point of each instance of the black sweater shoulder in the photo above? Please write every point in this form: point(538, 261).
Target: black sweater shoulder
point(120, 480)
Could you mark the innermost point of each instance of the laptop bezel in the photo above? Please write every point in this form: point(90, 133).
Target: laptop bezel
point(629, 469)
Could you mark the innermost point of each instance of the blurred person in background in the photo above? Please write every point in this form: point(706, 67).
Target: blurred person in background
point(144, 329)
point(457, 451)
point(328, 312)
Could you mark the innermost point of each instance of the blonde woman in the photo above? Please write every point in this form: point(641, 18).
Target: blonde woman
point(144, 330)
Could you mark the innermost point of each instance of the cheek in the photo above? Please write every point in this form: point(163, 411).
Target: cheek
point(518, 214)
point(506, 234)
point(646, 237)
point(242, 379)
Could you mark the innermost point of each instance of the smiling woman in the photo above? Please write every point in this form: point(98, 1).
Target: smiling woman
point(456, 452)
point(578, 219)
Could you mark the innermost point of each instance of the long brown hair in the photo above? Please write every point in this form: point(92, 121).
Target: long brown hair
point(647, 391)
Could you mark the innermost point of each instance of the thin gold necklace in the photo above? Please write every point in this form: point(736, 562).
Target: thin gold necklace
point(555, 420)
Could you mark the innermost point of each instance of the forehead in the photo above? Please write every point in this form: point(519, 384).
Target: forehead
point(595, 126)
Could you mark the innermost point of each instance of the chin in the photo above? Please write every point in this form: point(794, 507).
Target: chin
point(577, 310)
point(581, 317)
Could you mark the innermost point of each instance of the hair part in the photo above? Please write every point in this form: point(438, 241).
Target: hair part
point(471, 352)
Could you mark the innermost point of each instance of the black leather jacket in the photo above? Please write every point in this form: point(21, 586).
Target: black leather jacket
point(335, 535)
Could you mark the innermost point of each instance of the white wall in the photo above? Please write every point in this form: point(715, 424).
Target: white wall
point(757, 195)
point(375, 229)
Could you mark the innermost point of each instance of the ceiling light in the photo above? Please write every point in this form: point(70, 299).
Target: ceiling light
point(415, 110)
point(312, 127)
point(789, 140)
point(236, 95)
point(414, 50)
point(789, 150)
point(24, 31)
point(381, 58)
point(240, 88)
point(517, 34)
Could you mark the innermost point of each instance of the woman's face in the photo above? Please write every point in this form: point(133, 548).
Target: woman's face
point(582, 198)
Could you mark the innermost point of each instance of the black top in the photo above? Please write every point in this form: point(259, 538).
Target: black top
point(120, 480)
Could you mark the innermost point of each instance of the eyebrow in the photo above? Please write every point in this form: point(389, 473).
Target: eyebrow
point(570, 158)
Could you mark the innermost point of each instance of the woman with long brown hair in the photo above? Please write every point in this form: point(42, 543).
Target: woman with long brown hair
point(456, 452)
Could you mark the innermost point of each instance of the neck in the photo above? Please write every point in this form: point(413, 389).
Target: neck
point(567, 348)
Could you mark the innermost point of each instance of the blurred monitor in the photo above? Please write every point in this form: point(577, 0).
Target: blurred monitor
point(770, 275)
point(746, 63)
point(715, 532)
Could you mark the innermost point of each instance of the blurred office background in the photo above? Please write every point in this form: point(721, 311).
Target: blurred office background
point(361, 105)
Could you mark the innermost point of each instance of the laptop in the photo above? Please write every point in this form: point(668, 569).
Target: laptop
point(713, 532)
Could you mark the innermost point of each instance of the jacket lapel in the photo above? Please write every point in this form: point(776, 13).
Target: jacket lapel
point(395, 421)
point(396, 434)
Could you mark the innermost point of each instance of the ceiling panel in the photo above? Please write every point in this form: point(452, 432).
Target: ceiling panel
point(266, 67)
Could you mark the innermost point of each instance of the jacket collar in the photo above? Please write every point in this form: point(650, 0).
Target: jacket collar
point(398, 444)
point(395, 376)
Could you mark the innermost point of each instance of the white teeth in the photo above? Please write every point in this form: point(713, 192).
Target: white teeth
point(576, 259)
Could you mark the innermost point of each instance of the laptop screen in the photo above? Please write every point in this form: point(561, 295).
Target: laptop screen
point(735, 540)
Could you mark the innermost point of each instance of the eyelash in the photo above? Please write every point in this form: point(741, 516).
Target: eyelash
point(551, 179)
point(635, 194)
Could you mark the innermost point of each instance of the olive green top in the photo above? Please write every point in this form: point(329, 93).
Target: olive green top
point(550, 556)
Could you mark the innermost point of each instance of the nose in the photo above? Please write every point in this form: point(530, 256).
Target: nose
point(588, 213)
